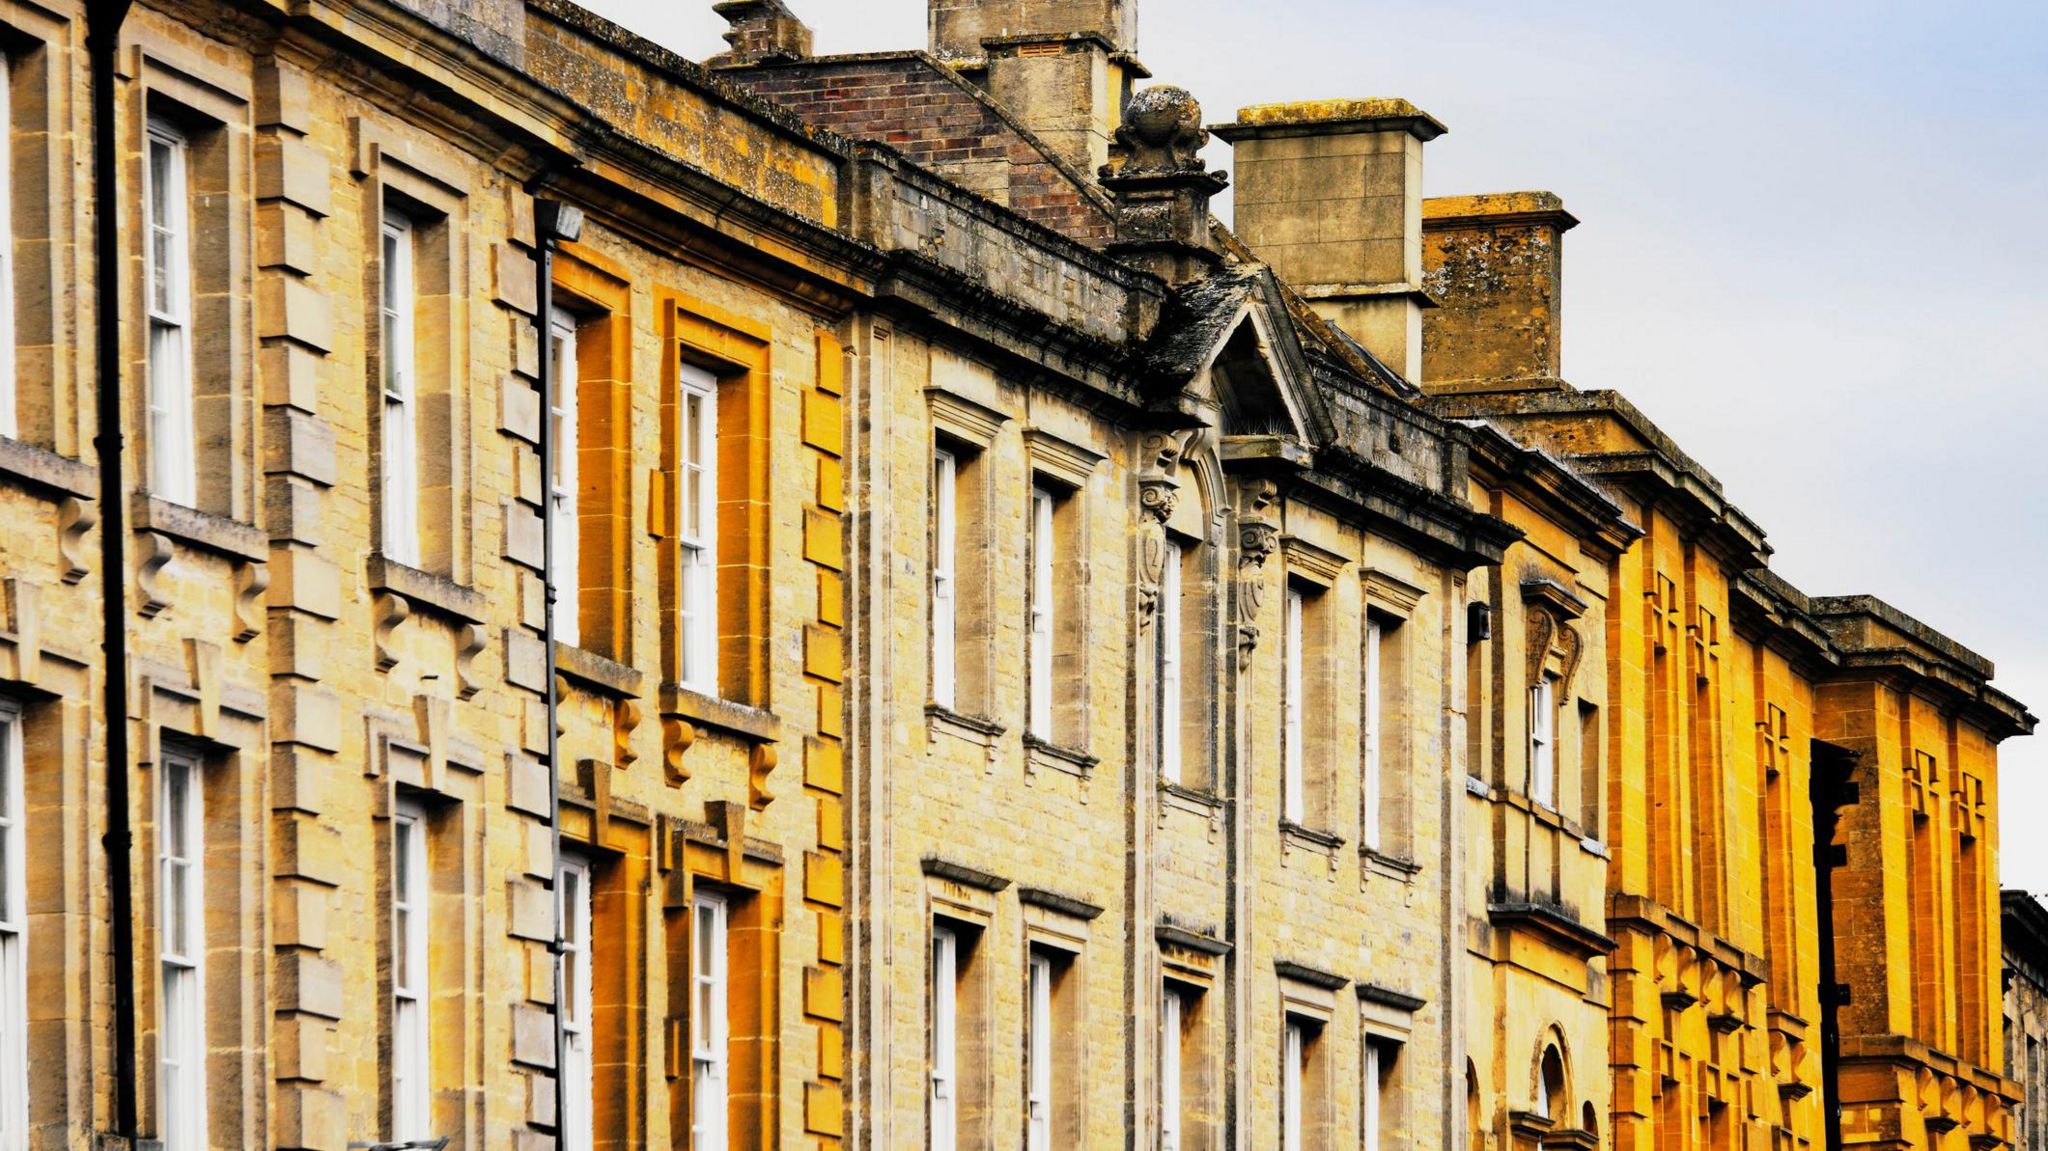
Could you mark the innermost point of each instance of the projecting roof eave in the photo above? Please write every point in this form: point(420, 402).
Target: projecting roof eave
point(1878, 639)
point(1553, 486)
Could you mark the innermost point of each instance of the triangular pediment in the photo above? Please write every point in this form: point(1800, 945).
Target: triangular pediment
point(1227, 353)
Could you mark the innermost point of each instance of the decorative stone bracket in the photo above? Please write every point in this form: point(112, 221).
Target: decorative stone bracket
point(1158, 494)
point(400, 590)
point(685, 714)
point(1258, 536)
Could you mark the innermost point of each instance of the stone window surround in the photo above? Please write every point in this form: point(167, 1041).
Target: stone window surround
point(737, 350)
point(1191, 962)
point(598, 296)
point(187, 712)
point(749, 877)
point(1394, 603)
point(401, 169)
point(1063, 470)
point(968, 430)
point(963, 900)
point(212, 108)
point(440, 780)
point(616, 842)
point(1057, 926)
point(46, 394)
point(1312, 571)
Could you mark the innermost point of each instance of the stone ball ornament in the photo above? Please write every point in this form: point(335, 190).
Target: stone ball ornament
point(1161, 132)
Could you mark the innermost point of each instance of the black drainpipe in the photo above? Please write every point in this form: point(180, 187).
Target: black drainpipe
point(1830, 788)
point(552, 223)
point(103, 20)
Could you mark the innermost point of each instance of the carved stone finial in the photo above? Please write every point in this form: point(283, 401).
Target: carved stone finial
point(1162, 186)
point(1161, 134)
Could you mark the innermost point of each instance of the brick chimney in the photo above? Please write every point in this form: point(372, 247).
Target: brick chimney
point(1063, 68)
point(1495, 265)
point(763, 31)
point(1329, 192)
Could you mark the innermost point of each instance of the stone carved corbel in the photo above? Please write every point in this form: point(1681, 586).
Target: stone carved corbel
point(252, 580)
point(469, 643)
point(1573, 646)
point(1158, 493)
point(1541, 628)
point(155, 554)
point(761, 761)
point(625, 721)
point(75, 517)
point(1257, 538)
point(389, 610)
point(677, 734)
point(1547, 632)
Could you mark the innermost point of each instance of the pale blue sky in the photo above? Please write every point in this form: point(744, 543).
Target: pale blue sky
point(1812, 251)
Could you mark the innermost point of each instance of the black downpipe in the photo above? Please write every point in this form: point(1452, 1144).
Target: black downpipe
point(1830, 789)
point(103, 22)
point(547, 228)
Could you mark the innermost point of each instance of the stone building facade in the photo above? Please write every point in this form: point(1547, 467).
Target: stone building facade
point(1798, 794)
point(2026, 1014)
point(1033, 666)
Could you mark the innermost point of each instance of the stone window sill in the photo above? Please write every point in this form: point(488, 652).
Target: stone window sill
point(45, 472)
point(706, 712)
point(202, 530)
point(978, 730)
point(591, 670)
point(1391, 866)
point(1314, 839)
point(425, 590)
point(1191, 799)
point(1040, 753)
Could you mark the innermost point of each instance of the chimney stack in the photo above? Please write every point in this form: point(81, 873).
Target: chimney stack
point(1063, 68)
point(1329, 192)
point(1495, 265)
point(763, 31)
point(960, 28)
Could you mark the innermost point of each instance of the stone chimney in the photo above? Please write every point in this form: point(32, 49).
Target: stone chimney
point(1162, 186)
point(763, 31)
point(1063, 68)
point(960, 28)
point(1495, 265)
point(1329, 192)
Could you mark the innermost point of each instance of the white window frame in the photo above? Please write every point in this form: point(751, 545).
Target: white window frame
point(399, 389)
point(1543, 742)
point(562, 485)
point(1294, 789)
point(411, 1028)
point(1044, 621)
point(167, 256)
point(1168, 621)
point(573, 892)
point(10, 415)
point(1369, 770)
point(1038, 1056)
point(698, 521)
point(1369, 1119)
point(181, 945)
point(1293, 1053)
point(945, 575)
point(13, 932)
point(710, 1035)
point(1172, 1015)
point(944, 1106)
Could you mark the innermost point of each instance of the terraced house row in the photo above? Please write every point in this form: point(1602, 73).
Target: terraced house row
point(558, 596)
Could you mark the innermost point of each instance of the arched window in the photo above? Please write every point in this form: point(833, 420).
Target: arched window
point(1551, 1101)
point(1475, 1134)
